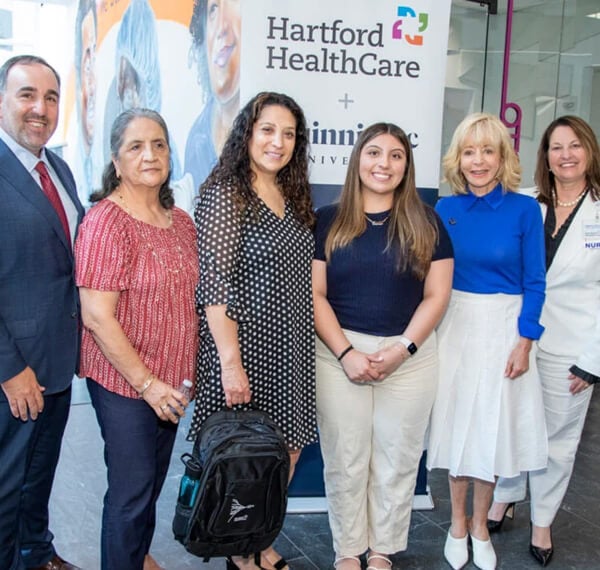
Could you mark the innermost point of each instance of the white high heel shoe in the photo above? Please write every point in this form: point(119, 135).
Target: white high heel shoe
point(484, 555)
point(456, 551)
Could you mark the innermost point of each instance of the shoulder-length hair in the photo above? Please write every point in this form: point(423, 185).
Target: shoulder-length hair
point(110, 180)
point(412, 228)
point(482, 129)
point(233, 170)
point(544, 178)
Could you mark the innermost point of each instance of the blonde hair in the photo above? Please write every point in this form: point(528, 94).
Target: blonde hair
point(412, 224)
point(482, 129)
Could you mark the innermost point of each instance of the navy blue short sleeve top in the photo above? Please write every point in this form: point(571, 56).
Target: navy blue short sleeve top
point(364, 287)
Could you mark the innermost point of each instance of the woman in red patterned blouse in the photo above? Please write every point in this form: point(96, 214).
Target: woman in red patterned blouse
point(137, 268)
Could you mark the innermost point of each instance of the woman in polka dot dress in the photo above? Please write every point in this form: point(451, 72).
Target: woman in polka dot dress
point(254, 220)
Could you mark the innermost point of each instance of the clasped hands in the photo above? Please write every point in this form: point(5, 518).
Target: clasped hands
point(361, 367)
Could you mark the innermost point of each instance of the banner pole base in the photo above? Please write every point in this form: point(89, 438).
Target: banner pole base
point(305, 505)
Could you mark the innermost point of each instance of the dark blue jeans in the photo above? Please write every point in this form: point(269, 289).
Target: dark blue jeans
point(137, 450)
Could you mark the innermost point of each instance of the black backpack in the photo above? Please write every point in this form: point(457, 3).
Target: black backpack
point(243, 465)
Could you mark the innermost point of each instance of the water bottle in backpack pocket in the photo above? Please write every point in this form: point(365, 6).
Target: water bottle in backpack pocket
point(188, 492)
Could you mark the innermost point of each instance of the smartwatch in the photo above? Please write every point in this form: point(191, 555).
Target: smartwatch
point(409, 344)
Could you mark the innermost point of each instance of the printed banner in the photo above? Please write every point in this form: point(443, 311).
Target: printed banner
point(350, 65)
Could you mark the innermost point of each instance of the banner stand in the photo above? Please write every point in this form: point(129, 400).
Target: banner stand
point(307, 490)
point(308, 505)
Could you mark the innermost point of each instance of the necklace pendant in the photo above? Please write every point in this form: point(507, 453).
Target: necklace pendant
point(377, 222)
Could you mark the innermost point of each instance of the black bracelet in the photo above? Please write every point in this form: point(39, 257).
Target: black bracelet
point(344, 352)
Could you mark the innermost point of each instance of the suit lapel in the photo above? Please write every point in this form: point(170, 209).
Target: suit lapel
point(571, 247)
point(14, 174)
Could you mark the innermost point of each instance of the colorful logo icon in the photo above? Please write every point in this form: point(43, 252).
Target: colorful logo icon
point(407, 13)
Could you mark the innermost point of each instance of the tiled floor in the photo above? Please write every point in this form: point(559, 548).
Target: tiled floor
point(306, 541)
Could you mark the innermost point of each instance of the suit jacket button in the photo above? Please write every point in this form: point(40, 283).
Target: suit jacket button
point(74, 314)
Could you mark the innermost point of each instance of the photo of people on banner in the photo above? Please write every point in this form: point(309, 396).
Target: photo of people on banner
point(121, 61)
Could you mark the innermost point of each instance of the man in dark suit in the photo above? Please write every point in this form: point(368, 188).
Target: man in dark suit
point(39, 310)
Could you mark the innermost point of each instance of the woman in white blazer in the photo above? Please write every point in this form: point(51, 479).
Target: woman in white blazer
point(568, 358)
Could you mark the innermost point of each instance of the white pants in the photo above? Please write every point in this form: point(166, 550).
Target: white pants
point(565, 417)
point(372, 439)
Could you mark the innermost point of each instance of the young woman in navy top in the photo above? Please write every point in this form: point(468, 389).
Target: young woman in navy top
point(488, 418)
point(381, 281)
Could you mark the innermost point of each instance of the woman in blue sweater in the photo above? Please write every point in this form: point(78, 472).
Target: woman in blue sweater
point(381, 282)
point(488, 418)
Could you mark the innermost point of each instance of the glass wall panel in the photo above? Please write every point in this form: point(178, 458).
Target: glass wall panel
point(554, 66)
point(555, 54)
point(465, 70)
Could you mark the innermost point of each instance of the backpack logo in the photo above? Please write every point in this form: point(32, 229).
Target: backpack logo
point(236, 509)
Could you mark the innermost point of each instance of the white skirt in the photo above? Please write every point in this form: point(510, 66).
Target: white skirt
point(483, 424)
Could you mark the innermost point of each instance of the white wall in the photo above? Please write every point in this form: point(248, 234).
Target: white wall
point(44, 29)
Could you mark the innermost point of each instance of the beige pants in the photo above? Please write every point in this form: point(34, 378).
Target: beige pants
point(372, 439)
point(565, 417)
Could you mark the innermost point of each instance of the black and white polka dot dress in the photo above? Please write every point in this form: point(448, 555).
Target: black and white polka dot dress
point(261, 270)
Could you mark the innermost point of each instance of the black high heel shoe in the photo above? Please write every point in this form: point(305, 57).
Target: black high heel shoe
point(231, 565)
point(542, 555)
point(496, 526)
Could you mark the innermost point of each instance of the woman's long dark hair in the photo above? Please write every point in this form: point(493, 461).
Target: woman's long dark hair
point(233, 168)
